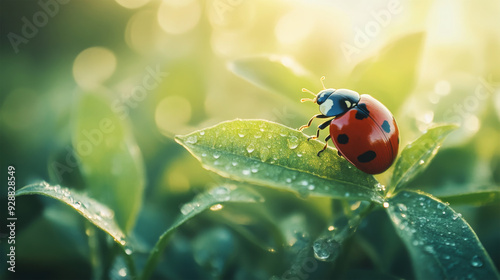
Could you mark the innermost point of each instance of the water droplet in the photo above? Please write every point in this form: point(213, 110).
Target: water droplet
point(293, 142)
point(246, 171)
point(379, 187)
point(258, 135)
point(189, 207)
point(216, 155)
point(128, 251)
point(77, 204)
point(402, 207)
point(288, 180)
point(203, 154)
point(299, 154)
point(234, 163)
point(202, 133)
point(421, 162)
point(216, 207)
point(429, 249)
point(386, 204)
point(250, 148)
point(254, 170)
point(221, 193)
point(241, 135)
point(311, 187)
point(476, 261)
point(192, 139)
point(326, 249)
point(122, 272)
point(264, 154)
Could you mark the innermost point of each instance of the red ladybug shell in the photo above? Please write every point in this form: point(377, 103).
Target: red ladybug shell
point(367, 135)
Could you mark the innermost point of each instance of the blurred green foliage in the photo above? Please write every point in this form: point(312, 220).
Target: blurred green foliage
point(157, 69)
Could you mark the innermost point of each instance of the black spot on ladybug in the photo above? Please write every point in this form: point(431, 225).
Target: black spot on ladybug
point(362, 112)
point(367, 156)
point(386, 126)
point(343, 139)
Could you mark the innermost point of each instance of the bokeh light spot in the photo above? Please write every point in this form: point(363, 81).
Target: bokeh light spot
point(177, 17)
point(93, 66)
point(442, 87)
point(172, 114)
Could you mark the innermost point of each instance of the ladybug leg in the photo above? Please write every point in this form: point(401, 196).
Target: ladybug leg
point(326, 145)
point(320, 116)
point(320, 127)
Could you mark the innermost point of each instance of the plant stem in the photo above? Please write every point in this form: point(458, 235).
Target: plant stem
point(155, 255)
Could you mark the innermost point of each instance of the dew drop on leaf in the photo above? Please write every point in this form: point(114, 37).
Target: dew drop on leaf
point(250, 148)
point(264, 154)
point(476, 261)
point(326, 248)
point(221, 193)
point(192, 139)
point(293, 142)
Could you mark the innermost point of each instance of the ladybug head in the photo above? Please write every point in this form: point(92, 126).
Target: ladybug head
point(333, 102)
point(323, 95)
point(338, 102)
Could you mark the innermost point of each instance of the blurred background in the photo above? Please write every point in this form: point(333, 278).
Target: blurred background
point(170, 67)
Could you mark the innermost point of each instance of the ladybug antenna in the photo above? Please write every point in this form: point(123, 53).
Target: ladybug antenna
point(308, 99)
point(321, 80)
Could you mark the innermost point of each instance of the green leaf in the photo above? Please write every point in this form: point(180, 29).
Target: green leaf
point(279, 74)
point(269, 154)
point(476, 198)
point(94, 211)
point(441, 244)
point(390, 75)
point(417, 155)
point(203, 201)
point(109, 158)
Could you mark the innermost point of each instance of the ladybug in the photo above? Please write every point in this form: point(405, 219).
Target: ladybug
point(362, 129)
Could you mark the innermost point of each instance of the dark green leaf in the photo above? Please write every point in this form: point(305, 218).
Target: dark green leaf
point(94, 211)
point(269, 154)
point(417, 155)
point(200, 203)
point(477, 198)
point(110, 160)
point(442, 245)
